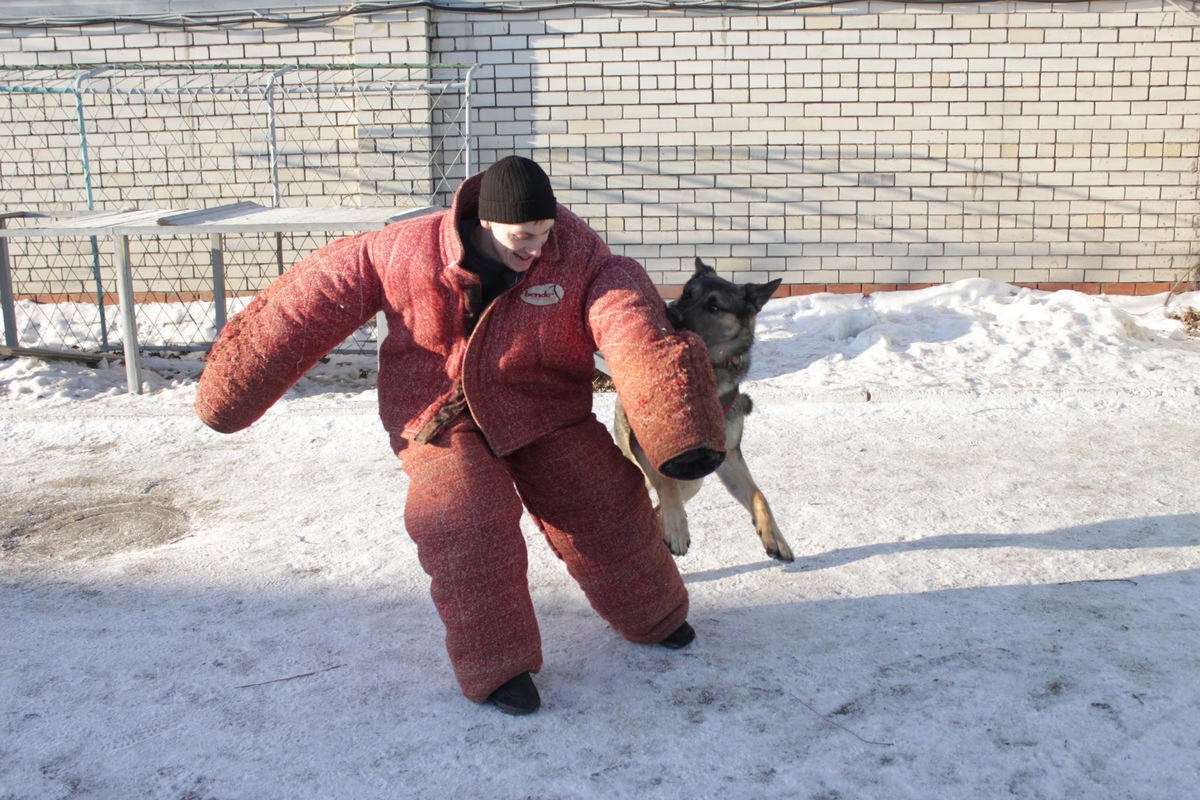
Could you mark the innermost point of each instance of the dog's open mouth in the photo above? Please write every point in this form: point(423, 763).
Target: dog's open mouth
point(726, 355)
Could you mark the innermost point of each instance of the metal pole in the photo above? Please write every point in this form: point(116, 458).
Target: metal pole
point(217, 252)
point(129, 333)
point(7, 303)
point(91, 204)
point(467, 123)
point(272, 144)
point(87, 168)
point(273, 152)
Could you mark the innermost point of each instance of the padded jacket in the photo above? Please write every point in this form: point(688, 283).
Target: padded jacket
point(522, 366)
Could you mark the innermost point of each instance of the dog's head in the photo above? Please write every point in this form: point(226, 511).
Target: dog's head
point(722, 312)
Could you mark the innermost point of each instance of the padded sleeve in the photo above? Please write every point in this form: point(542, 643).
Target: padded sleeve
point(300, 318)
point(664, 377)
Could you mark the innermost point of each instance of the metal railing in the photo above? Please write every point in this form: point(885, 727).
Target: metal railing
point(114, 137)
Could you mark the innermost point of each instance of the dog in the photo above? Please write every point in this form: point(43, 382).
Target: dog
point(723, 313)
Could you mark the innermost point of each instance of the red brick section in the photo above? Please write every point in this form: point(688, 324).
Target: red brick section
point(798, 289)
point(671, 292)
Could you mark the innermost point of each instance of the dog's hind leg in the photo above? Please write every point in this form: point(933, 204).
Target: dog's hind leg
point(735, 475)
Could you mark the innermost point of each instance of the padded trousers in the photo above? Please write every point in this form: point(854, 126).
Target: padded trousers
point(464, 509)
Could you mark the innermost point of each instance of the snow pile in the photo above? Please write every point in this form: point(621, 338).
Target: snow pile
point(996, 591)
point(974, 336)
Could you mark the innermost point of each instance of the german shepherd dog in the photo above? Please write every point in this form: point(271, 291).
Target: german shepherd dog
point(723, 313)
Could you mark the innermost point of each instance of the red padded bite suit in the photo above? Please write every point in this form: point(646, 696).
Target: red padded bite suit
point(490, 411)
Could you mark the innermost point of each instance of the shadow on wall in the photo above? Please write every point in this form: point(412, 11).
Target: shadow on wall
point(749, 178)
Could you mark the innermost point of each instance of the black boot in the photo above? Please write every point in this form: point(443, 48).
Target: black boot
point(517, 697)
point(681, 638)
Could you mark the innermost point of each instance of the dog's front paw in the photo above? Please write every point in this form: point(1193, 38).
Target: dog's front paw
point(677, 546)
point(675, 534)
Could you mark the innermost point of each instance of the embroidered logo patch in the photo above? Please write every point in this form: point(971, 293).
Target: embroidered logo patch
point(545, 295)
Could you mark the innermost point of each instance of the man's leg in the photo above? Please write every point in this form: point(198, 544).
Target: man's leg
point(592, 504)
point(464, 515)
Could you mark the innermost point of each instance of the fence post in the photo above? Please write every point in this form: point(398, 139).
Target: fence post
point(129, 333)
point(91, 203)
point(217, 252)
point(273, 153)
point(7, 303)
point(272, 144)
point(467, 123)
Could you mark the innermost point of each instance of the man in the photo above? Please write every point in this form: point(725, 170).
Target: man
point(494, 310)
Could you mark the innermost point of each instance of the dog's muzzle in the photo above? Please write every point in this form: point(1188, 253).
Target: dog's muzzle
point(675, 316)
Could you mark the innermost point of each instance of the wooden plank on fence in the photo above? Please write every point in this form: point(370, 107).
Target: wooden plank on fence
point(252, 218)
point(94, 359)
point(239, 218)
point(211, 214)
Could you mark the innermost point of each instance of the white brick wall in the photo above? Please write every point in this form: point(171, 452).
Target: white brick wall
point(860, 145)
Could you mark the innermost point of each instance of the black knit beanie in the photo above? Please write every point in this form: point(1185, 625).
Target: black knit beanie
point(516, 190)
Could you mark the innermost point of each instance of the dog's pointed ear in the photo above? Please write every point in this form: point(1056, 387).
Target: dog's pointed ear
point(760, 293)
point(704, 269)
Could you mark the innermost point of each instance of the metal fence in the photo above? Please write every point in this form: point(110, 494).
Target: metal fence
point(110, 138)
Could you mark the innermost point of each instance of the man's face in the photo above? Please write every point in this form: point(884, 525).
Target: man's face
point(516, 246)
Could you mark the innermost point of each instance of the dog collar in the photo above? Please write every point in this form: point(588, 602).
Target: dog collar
point(729, 405)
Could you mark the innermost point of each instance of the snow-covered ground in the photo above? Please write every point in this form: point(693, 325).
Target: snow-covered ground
point(993, 494)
